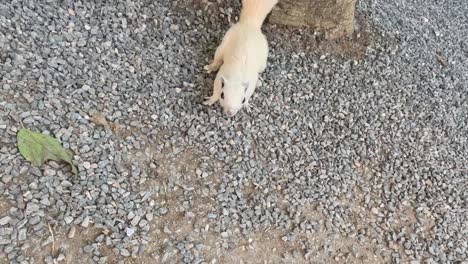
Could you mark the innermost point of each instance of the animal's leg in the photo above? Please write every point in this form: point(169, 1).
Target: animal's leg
point(253, 85)
point(217, 89)
point(217, 61)
point(219, 53)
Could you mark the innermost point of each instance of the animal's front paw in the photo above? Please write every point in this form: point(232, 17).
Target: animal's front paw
point(211, 67)
point(210, 100)
point(208, 68)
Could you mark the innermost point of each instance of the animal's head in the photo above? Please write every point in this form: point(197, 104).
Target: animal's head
point(233, 95)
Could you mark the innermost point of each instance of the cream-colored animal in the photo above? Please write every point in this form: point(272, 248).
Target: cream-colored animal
point(240, 58)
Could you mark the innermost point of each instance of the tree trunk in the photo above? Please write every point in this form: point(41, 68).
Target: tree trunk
point(335, 18)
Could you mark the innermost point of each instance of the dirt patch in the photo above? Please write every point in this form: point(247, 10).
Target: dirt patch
point(329, 248)
point(71, 248)
point(112, 256)
point(262, 247)
point(180, 177)
point(270, 246)
point(294, 39)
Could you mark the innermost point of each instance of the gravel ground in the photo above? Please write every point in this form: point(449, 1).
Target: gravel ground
point(354, 152)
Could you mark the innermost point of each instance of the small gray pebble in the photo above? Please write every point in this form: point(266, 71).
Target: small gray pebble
point(130, 231)
point(124, 252)
point(5, 220)
point(68, 220)
point(71, 233)
point(85, 222)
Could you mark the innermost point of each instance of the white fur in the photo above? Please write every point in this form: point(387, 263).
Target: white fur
point(240, 58)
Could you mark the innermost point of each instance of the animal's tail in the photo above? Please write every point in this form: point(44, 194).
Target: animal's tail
point(254, 12)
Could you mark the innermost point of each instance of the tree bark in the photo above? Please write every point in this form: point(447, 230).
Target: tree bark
point(335, 18)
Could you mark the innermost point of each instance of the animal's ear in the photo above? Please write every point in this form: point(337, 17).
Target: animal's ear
point(245, 85)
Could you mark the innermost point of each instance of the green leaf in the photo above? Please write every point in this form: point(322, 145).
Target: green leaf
point(38, 148)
